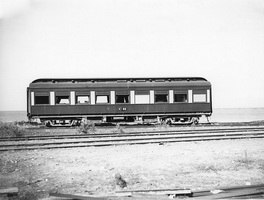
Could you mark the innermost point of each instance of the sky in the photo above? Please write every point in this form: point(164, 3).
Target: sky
point(220, 40)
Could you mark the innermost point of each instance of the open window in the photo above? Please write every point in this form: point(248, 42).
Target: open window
point(180, 96)
point(122, 97)
point(142, 97)
point(102, 97)
point(62, 98)
point(42, 98)
point(161, 96)
point(82, 97)
point(199, 96)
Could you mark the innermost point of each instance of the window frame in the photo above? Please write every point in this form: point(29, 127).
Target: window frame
point(180, 92)
point(204, 98)
point(41, 94)
point(161, 92)
point(142, 93)
point(101, 94)
point(127, 98)
point(122, 93)
point(82, 94)
point(80, 102)
point(62, 94)
point(200, 92)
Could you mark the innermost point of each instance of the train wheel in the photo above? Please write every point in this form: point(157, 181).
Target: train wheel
point(47, 123)
point(195, 120)
point(168, 121)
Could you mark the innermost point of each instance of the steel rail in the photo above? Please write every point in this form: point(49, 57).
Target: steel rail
point(140, 133)
point(123, 140)
point(132, 137)
point(240, 192)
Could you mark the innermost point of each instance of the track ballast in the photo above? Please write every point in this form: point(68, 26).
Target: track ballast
point(128, 138)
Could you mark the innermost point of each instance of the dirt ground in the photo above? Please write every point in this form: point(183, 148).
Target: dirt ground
point(86, 171)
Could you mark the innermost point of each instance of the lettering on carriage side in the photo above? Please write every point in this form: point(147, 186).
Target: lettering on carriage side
point(122, 108)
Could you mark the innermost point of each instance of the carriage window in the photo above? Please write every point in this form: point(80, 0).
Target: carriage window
point(82, 99)
point(142, 97)
point(199, 98)
point(42, 99)
point(62, 99)
point(122, 98)
point(180, 97)
point(102, 98)
point(161, 98)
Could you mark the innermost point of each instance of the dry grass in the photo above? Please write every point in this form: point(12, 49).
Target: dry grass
point(119, 129)
point(209, 168)
point(245, 159)
point(11, 130)
point(87, 127)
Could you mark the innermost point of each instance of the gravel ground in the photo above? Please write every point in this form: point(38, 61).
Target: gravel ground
point(93, 170)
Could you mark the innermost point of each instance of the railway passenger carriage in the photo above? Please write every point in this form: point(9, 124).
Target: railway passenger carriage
point(144, 100)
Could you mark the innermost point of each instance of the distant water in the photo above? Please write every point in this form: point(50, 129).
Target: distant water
point(237, 114)
point(219, 115)
point(12, 116)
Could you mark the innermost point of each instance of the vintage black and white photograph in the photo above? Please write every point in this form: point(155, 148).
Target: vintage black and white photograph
point(131, 99)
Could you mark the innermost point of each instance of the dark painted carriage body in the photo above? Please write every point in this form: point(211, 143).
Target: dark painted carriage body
point(141, 96)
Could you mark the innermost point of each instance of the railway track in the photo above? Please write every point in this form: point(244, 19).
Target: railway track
point(240, 192)
point(110, 139)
